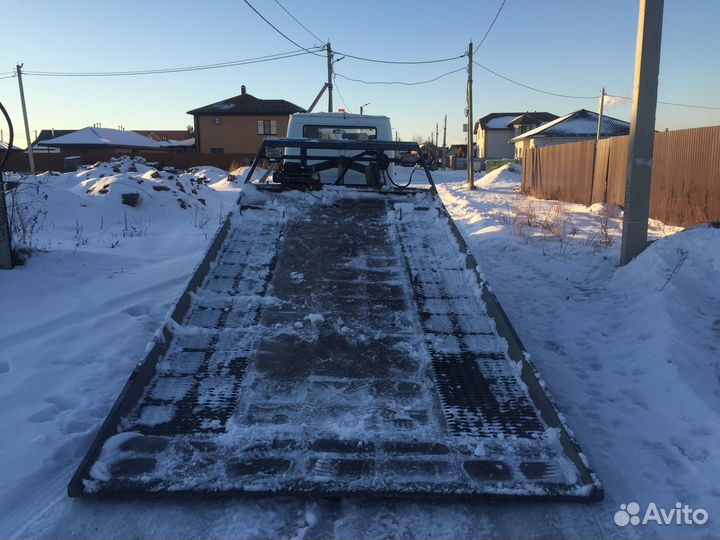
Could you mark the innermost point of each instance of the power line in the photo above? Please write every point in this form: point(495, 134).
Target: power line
point(531, 87)
point(409, 62)
point(491, 26)
point(403, 83)
point(297, 21)
point(267, 58)
point(7, 77)
point(339, 94)
point(278, 30)
point(672, 103)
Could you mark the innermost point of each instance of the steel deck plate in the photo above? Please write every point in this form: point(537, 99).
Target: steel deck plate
point(339, 347)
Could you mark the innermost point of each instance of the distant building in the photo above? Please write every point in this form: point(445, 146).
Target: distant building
point(239, 124)
point(46, 134)
point(4, 146)
point(574, 127)
point(160, 135)
point(495, 130)
point(93, 138)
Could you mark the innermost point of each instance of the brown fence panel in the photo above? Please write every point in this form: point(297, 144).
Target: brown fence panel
point(18, 161)
point(560, 172)
point(686, 176)
point(617, 170)
point(685, 181)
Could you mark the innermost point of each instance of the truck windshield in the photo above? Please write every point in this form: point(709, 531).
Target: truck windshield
point(349, 133)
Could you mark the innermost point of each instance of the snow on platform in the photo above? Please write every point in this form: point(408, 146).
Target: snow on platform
point(340, 346)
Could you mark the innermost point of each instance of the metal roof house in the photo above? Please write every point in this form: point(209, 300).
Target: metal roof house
point(495, 130)
point(46, 134)
point(91, 138)
point(240, 124)
point(573, 127)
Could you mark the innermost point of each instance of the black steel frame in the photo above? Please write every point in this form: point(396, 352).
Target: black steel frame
point(369, 151)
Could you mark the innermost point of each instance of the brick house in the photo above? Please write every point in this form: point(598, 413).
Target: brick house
point(239, 124)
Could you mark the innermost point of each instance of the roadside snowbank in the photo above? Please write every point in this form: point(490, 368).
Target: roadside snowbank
point(630, 354)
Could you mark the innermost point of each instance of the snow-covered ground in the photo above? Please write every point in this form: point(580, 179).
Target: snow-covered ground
point(630, 355)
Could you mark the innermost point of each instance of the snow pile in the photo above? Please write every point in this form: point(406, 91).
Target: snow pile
point(121, 177)
point(630, 354)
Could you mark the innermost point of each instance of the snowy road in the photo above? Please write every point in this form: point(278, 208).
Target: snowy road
point(633, 368)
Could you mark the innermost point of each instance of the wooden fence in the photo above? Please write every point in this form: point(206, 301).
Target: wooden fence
point(18, 161)
point(685, 178)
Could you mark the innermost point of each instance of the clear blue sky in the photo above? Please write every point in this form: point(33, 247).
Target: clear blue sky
point(565, 46)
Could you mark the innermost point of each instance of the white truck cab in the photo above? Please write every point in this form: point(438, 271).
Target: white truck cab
point(340, 126)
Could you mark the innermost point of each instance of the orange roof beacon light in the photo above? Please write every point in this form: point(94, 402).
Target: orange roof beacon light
point(341, 110)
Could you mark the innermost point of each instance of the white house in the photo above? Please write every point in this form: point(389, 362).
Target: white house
point(574, 127)
point(495, 130)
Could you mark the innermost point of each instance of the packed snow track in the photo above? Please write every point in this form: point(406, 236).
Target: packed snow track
point(334, 345)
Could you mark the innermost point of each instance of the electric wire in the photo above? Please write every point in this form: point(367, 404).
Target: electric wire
point(403, 83)
point(671, 103)
point(297, 21)
point(337, 89)
point(232, 63)
point(489, 27)
point(531, 87)
point(406, 62)
point(278, 30)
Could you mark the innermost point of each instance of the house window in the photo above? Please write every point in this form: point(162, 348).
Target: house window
point(267, 127)
point(216, 121)
point(217, 150)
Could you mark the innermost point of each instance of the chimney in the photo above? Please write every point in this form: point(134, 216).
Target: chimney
point(242, 90)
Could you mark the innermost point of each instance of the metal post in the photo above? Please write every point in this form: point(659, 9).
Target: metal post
point(31, 157)
point(317, 98)
point(328, 48)
point(470, 178)
point(444, 143)
point(601, 107)
point(597, 140)
point(642, 130)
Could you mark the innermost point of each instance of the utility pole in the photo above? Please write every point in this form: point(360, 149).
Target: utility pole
point(601, 107)
point(328, 49)
point(437, 137)
point(31, 157)
point(470, 179)
point(595, 147)
point(444, 142)
point(642, 130)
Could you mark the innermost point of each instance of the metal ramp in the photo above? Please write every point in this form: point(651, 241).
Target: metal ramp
point(336, 346)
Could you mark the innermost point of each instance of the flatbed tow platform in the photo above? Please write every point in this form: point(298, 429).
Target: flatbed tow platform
point(336, 343)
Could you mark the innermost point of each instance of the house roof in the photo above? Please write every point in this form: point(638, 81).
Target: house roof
point(171, 143)
point(582, 123)
point(535, 117)
point(50, 134)
point(497, 120)
point(163, 134)
point(101, 137)
point(248, 105)
point(4, 145)
point(506, 120)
